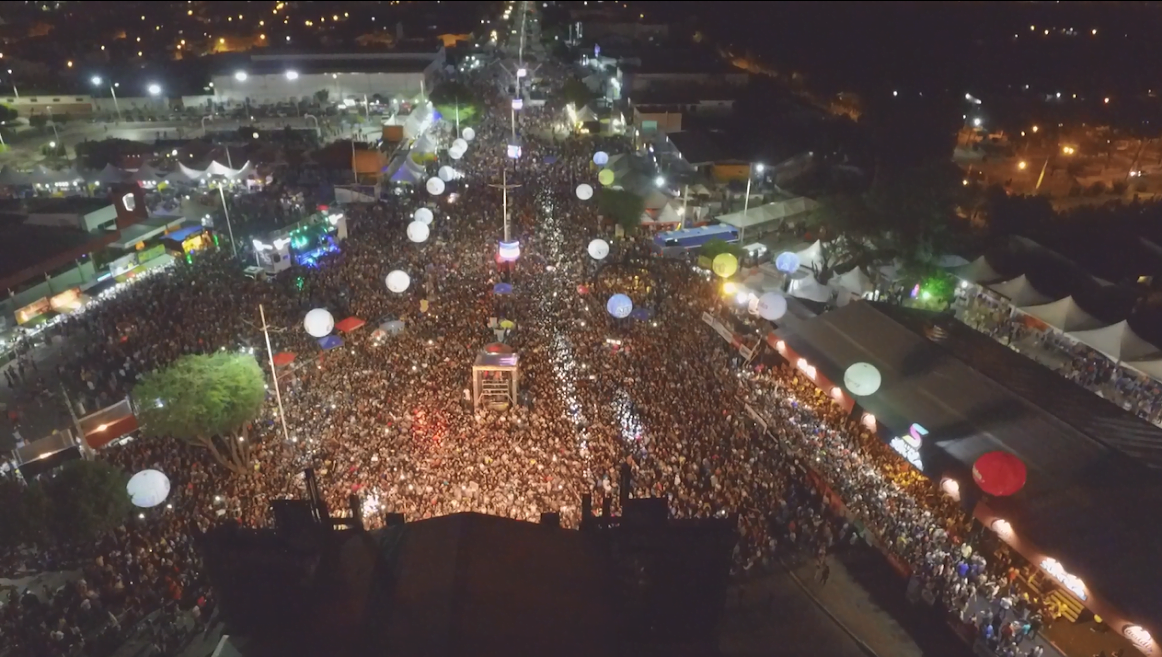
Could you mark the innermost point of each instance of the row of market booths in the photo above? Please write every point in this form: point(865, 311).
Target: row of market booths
point(147, 176)
point(1068, 303)
point(950, 395)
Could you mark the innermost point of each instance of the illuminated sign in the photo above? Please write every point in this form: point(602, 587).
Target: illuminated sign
point(509, 251)
point(909, 446)
point(1072, 583)
point(1137, 635)
point(518, 104)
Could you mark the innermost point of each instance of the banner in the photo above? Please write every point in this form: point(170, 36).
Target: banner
point(145, 255)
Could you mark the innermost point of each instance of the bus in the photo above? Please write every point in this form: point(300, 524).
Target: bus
point(694, 238)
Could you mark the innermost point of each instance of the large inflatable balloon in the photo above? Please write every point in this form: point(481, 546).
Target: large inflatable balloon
point(598, 249)
point(606, 177)
point(435, 186)
point(787, 262)
point(423, 215)
point(468, 133)
point(398, 281)
point(446, 173)
point(584, 191)
point(148, 488)
point(772, 306)
point(999, 473)
point(725, 264)
point(601, 158)
point(319, 323)
point(620, 306)
point(460, 144)
point(455, 154)
point(418, 232)
point(862, 379)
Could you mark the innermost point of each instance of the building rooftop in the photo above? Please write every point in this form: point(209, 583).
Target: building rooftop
point(698, 147)
point(655, 62)
point(31, 250)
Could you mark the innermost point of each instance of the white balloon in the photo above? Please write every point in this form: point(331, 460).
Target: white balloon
point(468, 133)
point(446, 173)
point(435, 186)
point(772, 305)
point(319, 323)
point(598, 249)
point(423, 215)
point(459, 144)
point(455, 154)
point(584, 191)
point(862, 379)
point(418, 232)
point(398, 281)
point(148, 488)
point(601, 158)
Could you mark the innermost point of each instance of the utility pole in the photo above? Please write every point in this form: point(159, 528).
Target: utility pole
point(226, 211)
point(504, 186)
point(273, 373)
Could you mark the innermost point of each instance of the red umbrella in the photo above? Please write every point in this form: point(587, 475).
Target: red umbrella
point(999, 473)
point(283, 359)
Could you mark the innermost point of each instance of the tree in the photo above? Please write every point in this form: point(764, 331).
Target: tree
point(87, 499)
point(207, 401)
point(717, 247)
point(7, 114)
point(38, 121)
point(454, 97)
point(625, 208)
point(22, 513)
point(575, 92)
point(321, 96)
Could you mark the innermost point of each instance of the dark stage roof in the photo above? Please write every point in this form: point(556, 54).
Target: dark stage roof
point(1092, 466)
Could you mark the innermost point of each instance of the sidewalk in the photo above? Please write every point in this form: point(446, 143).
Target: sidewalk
point(852, 607)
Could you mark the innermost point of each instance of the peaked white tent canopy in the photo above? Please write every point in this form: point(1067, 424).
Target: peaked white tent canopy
point(1151, 368)
point(146, 174)
point(1020, 292)
point(418, 121)
point(811, 256)
point(186, 173)
point(1063, 315)
point(810, 289)
point(977, 271)
point(854, 281)
point(217, 169)
point(110, 174)
point(1118, 342)
point(770, 212)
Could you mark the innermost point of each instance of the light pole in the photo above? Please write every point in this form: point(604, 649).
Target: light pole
point(12, 80)
point(318, 133)
point(97, 83)
point(746, 201)
point(293, 76)
point(504, 186)
point(273, 373)
point(204, 125)
point(226, 211)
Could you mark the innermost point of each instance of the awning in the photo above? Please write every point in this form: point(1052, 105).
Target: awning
point(283, 358)
point(108, 424)
point(1118, 342)
point(349, 324)
point(1063, 315)
point(330, 342)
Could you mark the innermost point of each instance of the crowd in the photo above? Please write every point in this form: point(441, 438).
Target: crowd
point(1134, 391)
point(391, 420)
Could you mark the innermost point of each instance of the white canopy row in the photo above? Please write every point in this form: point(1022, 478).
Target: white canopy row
point(42, 175)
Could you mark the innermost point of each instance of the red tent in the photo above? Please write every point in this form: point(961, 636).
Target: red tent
point(350, 324)
point(283, 358)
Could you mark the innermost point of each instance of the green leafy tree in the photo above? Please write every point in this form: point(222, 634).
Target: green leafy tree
point(15, 529)
point(207, 401)
point(624, 208)
point(574, 91)
point(455, 98)
point(717, 247)
point(38, 121)
point(87, 499)
point(8, 114)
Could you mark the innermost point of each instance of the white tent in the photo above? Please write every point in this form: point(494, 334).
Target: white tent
point(42, 175)
point(1020, 292)
point(777, 211)
point(425, 144)
point(1151, 368)
point(418, 121)
point(656, 199)
point(216, 169)
point(854, 281)
point(666, 215)
point(810, 289)
point(109, 175)
point(949, 261)
point(1118, 342)
point(145, 174)
point(10, 176)
point(1063, 315)
point(243, 173)
point(187, 174)
point(586, 114)
point(811, 256)
point(977, 271)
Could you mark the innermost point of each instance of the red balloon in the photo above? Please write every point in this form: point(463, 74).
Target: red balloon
point(999, 473)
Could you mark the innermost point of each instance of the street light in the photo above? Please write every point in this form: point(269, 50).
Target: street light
point(154, 89)
point(240, 76)
point(976, 122)
point(292, 75)
point(12, 80)
point(96, 80)
point(746, 201)
point(1022, 165)
point(660, 181)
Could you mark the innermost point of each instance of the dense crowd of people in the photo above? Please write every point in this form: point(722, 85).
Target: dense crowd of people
point(391, 420)
point(1133, 390)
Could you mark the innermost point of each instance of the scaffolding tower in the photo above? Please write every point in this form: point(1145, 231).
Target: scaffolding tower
point(495, 380)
